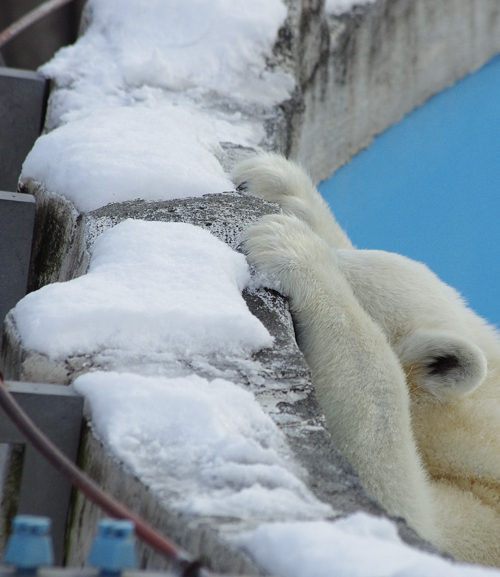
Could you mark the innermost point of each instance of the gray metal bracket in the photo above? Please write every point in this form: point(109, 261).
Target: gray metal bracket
point(17, 219)
point(57, 410)
point(23, 102)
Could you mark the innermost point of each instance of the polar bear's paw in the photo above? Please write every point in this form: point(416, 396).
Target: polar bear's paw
point(273, 178)
point(286, 251)
point(269, 176)
point(266, 175)
point(441, 363)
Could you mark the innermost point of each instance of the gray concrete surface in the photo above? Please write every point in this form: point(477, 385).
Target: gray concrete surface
point(282, 386)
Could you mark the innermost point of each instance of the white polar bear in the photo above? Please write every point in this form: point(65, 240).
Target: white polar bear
point(408, 377)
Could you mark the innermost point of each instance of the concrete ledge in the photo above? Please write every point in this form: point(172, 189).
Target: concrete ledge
point(58, 249)
point(282, 386)
point(362, 71)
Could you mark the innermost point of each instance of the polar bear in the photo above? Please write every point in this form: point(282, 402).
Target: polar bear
point(408, 377)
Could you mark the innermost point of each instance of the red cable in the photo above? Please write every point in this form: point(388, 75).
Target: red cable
point(30, 18)
point(91, 490)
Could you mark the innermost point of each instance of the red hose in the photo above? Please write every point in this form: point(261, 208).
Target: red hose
point(28, 19)
point(92, 491)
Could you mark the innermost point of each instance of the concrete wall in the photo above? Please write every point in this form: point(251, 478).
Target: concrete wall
point(362, 71)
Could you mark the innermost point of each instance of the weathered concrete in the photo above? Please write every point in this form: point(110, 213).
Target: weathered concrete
point(361, 72)
point(226, 215)
point(201, 537)
point(58, 248)
point(208, 539)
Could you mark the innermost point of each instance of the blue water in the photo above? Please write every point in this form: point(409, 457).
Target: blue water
point(429, 188)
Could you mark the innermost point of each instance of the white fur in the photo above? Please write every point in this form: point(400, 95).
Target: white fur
point(407, 375)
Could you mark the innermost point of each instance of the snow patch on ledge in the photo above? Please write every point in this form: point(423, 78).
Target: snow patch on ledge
point(359, 546)
point(169, 288)
point(205, 447)
point(130, 152)
point(144, 98)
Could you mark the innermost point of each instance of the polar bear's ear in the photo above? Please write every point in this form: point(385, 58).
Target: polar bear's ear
point(441, 363)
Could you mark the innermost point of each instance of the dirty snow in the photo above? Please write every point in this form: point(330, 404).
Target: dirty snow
point(151, 286)
point(147, 94)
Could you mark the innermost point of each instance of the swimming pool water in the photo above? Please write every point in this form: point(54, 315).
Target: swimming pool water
point(429, 188)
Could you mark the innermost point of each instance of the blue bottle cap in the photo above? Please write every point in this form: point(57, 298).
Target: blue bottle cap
point(30, 544)
point(113, 549)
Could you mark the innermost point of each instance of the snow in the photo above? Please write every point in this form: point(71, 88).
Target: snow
point(125, 153)
point(151, 287)
point(147, 94)
point(358, 546)
point(206, 446)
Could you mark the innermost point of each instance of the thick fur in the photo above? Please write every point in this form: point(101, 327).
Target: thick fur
point(407, 375)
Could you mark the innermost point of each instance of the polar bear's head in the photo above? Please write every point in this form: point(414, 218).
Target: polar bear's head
point(441, 363)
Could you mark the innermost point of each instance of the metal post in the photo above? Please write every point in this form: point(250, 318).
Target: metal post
point(57, 410)
point(17, 218)
point(23, 100)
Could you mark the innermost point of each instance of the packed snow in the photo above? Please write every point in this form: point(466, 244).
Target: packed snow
point(151, 286)
point(145, 97)
point(358, 546)
point(206, 446)
point(154, 152)
point(147, 94)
